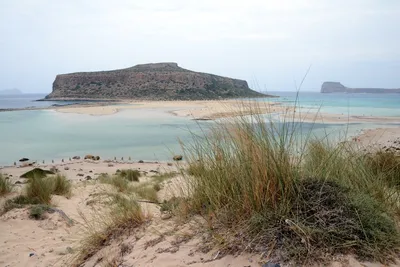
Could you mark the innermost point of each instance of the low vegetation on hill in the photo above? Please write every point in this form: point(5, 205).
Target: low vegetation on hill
point(157, 81)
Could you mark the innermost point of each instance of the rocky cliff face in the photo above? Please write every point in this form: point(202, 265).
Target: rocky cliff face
point(336, 87)
point(159, 81)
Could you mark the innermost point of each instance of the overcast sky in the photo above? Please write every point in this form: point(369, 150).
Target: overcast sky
point(269, 43)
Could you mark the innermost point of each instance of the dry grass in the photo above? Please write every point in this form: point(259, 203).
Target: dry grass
point(123, 214)
point(39, 189)
point(119, 182)
point(5, 185)
point(130, 175)
point(146, 191)
point(61, 186)
point(264, 186)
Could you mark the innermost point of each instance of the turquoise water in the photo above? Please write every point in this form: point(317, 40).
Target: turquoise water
point(153, 134)
point(45, 135)
point(341, 103)
point(28, 101)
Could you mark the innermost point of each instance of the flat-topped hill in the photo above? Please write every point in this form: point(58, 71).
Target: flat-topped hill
point(156, 81)
point(336, 87)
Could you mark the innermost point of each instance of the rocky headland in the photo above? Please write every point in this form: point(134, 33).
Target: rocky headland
point(337, 87)
point(156, 81)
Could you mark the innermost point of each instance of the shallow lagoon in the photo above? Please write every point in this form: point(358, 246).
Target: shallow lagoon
point(146, 134)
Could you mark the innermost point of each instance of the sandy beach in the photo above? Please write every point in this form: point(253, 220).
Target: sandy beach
point(163, 241)
point(212, 109)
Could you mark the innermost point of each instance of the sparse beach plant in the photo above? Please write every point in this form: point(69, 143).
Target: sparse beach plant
point(61, 186)
point(146, 191)
point(130, 175)
point(37, 212)
point(119, 182)
point(123, 214)
point(18, 202)
point(5, 185)
point(40, 189)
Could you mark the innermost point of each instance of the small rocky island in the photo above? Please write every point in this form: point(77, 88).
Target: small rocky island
point(337, 87)
point(156, 81)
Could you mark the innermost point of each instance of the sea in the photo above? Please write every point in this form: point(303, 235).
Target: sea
point(149, 134)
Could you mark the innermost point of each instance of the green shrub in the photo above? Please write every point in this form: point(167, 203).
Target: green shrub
point(130, 175)
point(386, 164)
point(5, 185)
point(19, 202)
point(40, 189)
point(37, 212)
point(259, 183)
point(146, 191)
point(61, 186)
point(119, 182)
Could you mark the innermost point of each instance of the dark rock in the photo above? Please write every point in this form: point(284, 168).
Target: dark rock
point(169, 164)
point(177, 157)
point(140, 161)
point(89, 157)
point(23, 159)
point(76, 157)
point(90, 171)
point(37, 172)
point(88, 178)
point(80, 174)
point(66, 168)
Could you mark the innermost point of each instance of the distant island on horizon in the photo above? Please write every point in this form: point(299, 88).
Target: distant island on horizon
point(154, 81)
point(13, 91)
point(337, 87)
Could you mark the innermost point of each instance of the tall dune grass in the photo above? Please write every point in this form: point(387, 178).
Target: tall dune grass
point(5, 185)
point(266, 185)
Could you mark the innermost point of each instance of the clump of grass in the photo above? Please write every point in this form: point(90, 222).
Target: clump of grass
point(253, 175)
point(61, 186)
point(329, 218)
point(157, 187)
point(241, 167)
point(159, 178)
point(5, 185)
point(119, 182)
point(37, 212)
point(130, 175)
point(19, 202)
point(386, 164)
point(172, 204)
point(40, 189)
point(124, 214)
point(146, 191)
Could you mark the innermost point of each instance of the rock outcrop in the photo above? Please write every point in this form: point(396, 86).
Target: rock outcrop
point(158, 81)
point(336, 87)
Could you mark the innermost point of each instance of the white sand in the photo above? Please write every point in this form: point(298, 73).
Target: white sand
point(52, 240)
point(209, 110)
